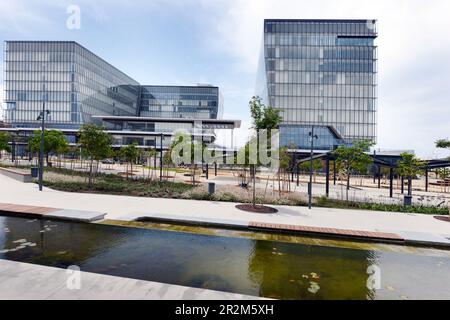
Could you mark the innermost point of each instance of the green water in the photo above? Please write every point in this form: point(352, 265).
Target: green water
point(247, 263)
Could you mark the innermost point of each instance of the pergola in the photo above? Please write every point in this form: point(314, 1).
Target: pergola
point(378, 164)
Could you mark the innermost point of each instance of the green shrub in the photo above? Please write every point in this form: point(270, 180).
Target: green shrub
point(332, 203)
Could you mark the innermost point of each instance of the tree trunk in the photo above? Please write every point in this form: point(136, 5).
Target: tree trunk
point(410, 186)
point(348, 184)
point(131, 168)
point(90, 172)
point(193, 174)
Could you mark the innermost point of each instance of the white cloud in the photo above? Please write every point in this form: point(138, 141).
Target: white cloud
point(21, 17)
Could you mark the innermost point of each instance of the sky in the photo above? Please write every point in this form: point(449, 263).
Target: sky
point(185, 42)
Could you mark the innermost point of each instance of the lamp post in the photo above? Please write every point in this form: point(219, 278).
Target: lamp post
point(312, 136)
point(41, 149)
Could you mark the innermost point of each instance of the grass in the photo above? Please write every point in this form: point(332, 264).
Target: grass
point(331, 203)
point(115, 184)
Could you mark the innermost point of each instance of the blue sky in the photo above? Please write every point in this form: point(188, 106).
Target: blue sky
point(185, 42)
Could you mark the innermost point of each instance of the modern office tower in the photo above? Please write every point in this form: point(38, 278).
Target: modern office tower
point(197, 102)
point(321, 73)
point(74, 83)
point(78, 87)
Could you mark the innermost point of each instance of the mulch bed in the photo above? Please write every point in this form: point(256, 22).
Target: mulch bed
point(256, 209)
point(441, 218)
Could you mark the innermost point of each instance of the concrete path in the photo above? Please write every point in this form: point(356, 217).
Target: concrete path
point(23, 281)
point(409, 226)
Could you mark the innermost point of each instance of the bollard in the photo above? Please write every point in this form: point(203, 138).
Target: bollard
point(407, 200)
point(211, 187)
point(34, 172)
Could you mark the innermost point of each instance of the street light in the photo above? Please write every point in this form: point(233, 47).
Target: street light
point(312, 136)
point(41, 149)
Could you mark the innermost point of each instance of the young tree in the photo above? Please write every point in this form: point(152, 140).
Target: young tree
point(54, 142)
point(61, 147)
point(263, 118)
point(95, 143)
point(443, 144)
point(444, 174)
point(4, 142)
point(182, 150)
point(284, 163)
point(409, 167)
point(353, 157)
point(130, 153)
point(317, 165)
point(152, 154)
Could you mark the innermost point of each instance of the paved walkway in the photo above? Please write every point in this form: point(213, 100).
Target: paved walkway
point(415, 227)
point(23, 281)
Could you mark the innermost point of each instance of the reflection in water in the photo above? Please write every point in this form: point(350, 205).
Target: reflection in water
point(286, 271)
point(244, 265)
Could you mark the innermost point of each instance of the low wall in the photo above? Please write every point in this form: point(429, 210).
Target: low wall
point(19, 176)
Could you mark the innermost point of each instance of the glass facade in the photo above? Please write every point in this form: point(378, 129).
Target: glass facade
point(322, 73)
point(74, 83)
point(196, 102)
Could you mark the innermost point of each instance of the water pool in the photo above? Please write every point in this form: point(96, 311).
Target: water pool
point(260, 265)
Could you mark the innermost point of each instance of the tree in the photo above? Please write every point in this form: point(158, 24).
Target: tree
point(54, 142)
point(353, 157)
point(183, 149)
point(96, 144)
point(4, 142)
point(409, 167)
point(61, 147)
point(263, 118)
point(317, 165)
point(129, 154)
point(443, 144)
point(284, 163)
point(444, 174)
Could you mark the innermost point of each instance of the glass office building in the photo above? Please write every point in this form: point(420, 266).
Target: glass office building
point(79, 87)
point(74, 83)
point(321, 73)
point(194, 102)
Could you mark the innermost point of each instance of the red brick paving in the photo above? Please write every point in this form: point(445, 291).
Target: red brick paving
point(33, 210)
point(327, 231)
